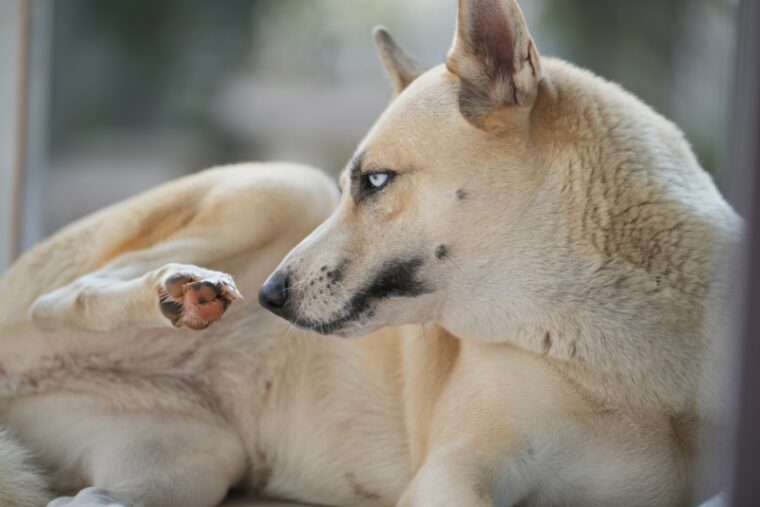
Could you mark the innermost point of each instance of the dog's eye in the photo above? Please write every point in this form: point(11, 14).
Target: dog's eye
point(378, 180)
point(374, 181)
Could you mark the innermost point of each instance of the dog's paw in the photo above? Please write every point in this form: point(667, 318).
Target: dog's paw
point(193, 297)
point(89, 497)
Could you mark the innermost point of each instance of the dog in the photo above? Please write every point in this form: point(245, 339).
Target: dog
point(531, 261)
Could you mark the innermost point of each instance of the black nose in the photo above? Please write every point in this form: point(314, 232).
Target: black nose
point(274, 294)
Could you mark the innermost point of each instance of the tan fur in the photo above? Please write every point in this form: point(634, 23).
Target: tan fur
point(564, 333)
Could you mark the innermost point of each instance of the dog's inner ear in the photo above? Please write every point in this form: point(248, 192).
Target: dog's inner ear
point(494, 56)
point(402, 67)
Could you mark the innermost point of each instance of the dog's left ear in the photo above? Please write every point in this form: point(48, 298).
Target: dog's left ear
point(402, 67)
point(494, 55)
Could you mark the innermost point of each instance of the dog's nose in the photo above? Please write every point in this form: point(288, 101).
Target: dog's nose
point(274, 294)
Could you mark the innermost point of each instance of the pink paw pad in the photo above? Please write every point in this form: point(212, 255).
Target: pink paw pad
point(195, 301)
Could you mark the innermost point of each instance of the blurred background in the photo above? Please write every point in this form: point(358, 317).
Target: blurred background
point(125, 94)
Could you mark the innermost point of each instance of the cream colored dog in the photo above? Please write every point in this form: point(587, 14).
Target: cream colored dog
point(550, 243)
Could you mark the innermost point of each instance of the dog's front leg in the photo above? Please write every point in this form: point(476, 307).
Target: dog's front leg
point(459, 477)
point(139, 289)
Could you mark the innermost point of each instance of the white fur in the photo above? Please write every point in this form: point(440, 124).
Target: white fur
point(21, 485)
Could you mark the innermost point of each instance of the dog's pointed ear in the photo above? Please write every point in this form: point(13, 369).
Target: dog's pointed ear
point(494, 55)
point(402, 67)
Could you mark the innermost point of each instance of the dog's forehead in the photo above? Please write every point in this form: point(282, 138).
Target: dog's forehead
point(433, 94)
point(427, 107)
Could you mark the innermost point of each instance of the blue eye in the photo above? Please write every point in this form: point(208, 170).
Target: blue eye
point(374, 181)
point(378, 180)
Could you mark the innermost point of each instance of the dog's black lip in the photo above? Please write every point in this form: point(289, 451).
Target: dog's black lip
point(323, 328)
point(396, 278)
point(333, 326)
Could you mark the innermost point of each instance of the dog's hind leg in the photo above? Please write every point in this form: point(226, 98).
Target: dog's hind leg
point(132, 459)
point(141, 289)
point(130, 250)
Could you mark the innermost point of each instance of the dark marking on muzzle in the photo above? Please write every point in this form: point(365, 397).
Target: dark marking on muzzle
point(336, 274)
point(396, 278)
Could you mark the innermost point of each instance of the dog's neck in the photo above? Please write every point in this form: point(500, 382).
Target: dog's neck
point(605, 347)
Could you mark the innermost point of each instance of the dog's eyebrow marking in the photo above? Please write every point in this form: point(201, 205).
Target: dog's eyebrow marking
point(355, 174)
point(355, 165)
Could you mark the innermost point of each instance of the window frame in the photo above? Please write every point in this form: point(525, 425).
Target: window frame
point(14, 98)
point(744, 191)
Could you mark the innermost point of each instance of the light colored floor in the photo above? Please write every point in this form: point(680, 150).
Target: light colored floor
point(253, 502)
point(718, 501)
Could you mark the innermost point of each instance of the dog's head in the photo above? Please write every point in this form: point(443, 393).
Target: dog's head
point(432, 191)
